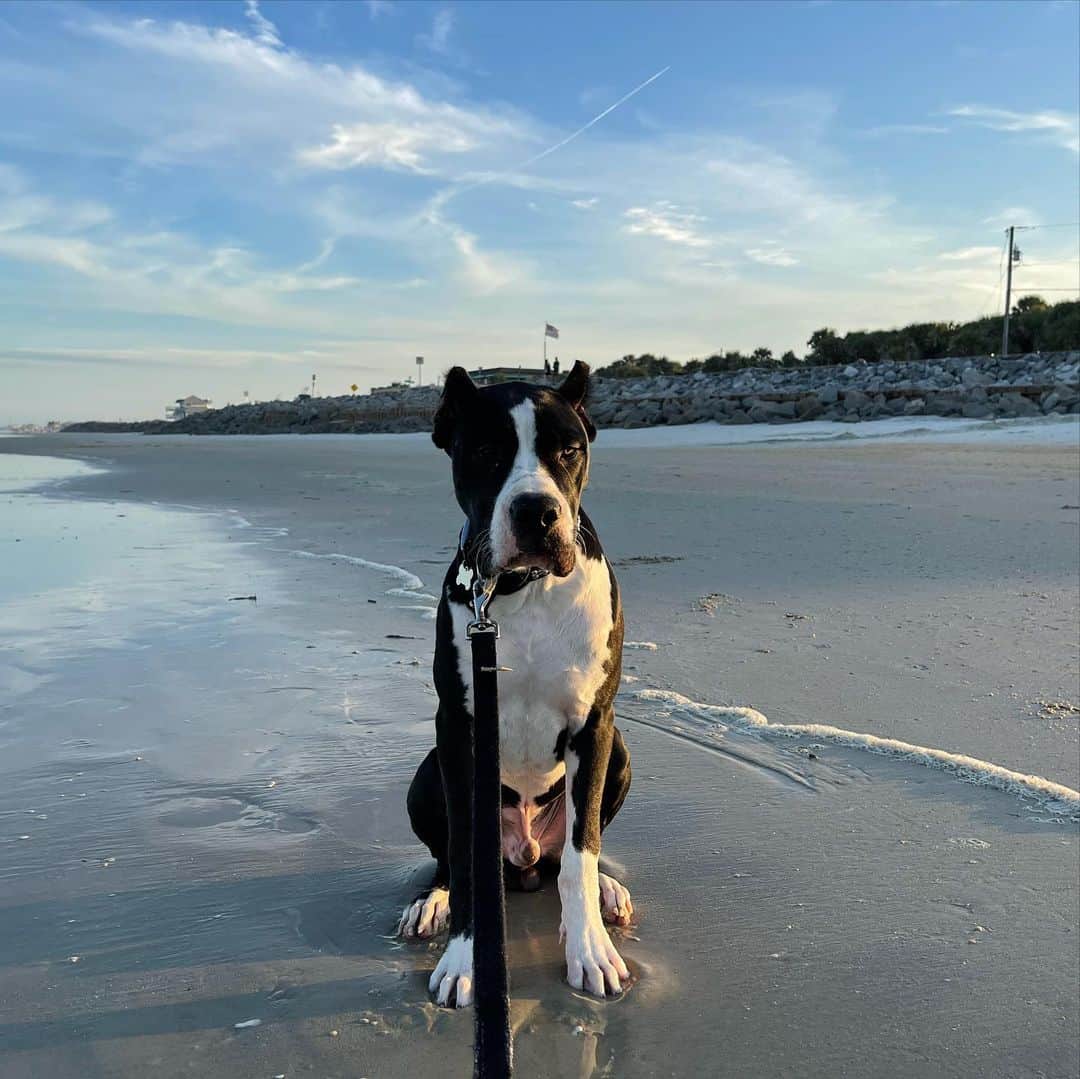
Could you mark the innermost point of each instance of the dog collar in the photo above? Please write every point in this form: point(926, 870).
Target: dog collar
point(506, 583)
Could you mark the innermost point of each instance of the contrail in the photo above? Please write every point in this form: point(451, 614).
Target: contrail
point(595, 120)
point(449, 193)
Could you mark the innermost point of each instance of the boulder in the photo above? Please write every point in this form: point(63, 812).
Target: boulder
point(1016, 404)
point(940, 404)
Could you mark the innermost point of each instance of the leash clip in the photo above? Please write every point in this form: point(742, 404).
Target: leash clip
point(482, 590)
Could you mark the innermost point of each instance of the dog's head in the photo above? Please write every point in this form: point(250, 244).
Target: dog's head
point(520, 458)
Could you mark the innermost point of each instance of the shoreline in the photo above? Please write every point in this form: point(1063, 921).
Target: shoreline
point(1060, 430)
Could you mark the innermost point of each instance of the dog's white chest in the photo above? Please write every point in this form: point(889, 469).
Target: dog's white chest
point(554, 637)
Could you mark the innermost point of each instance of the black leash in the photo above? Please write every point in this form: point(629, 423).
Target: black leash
point(492, 1047)
point(492, 1044)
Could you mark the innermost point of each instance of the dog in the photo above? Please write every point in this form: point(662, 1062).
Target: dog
point(520, 462)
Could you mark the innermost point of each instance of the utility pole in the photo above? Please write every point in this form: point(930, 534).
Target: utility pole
point(1008, 294)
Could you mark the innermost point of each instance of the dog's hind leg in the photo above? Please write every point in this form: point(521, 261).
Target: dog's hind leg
point(616, 781)
point(615, 903)
point(429, 913)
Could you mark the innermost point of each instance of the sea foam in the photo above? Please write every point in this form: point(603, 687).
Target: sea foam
point(1054, 799)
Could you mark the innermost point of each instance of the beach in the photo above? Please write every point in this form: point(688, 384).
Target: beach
point(215, 675)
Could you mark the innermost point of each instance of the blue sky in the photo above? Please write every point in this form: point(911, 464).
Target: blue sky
point(213, 198)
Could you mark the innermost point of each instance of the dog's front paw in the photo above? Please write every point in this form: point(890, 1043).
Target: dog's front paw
point(453, 977)
point(592, 963)
point(427, 917)
point(615, 904)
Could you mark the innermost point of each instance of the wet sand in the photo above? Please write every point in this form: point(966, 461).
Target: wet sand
point(214, 788)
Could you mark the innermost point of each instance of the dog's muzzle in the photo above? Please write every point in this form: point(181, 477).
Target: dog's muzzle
point(542, 534)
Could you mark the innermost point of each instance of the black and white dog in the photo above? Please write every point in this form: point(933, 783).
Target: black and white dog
point(520, 457)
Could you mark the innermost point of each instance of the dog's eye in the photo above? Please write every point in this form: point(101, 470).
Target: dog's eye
point(570, 454)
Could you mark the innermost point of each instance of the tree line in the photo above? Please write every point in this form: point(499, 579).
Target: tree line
point(1034, 326)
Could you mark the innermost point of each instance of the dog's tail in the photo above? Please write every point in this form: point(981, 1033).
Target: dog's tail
point(492, 1049)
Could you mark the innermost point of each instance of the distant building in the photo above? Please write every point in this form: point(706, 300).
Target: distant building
point(394, 388)
point(482, 376)
point(49, 428)
point(187, 406)
point(488, 376)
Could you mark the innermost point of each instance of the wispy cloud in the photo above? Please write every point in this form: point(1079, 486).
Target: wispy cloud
point(803, 115)
point(666, 222)
point(970, 254)
point(280, 100)
point(882, 131)
point(1059, 127)
point(378, 8)
point(483, 272)
point(486, 273)
point(393, 146)
point(1012, 215)
point(585, 204)
point(439, 39)
point(753, 179)
point(977, 271)
point(168, 357)
point(772, 256)
point(161, 271)
point(266, 33)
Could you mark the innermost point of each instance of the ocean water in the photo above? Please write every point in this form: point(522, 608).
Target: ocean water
point(80, 576)
point(161, 689)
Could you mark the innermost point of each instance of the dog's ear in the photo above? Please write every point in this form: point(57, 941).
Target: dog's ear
point(459, 391)
point(575, 391)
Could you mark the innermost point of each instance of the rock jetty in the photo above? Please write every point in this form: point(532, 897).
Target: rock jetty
point(980, 387)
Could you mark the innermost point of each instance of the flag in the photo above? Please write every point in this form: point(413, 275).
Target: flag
point(550, 331)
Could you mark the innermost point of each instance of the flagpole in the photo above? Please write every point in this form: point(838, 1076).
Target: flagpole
point(545, 346)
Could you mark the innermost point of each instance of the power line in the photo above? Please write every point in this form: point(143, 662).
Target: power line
point(1062, 225)
point(1042, 265)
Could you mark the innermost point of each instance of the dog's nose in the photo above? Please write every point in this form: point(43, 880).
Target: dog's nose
point(534, 513)
point(528, 853)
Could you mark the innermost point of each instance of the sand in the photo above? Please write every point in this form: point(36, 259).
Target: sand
point(213, 787)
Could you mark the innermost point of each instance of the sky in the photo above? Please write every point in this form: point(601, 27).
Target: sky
point(226, 198)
